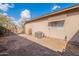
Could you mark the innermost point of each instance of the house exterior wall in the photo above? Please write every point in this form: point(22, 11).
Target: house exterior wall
point(57, 32)
point(71, 26)
point(42, 26)
point(27, 27)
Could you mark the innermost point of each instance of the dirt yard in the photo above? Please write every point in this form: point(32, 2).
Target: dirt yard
point(19, 46)
point(15, 45)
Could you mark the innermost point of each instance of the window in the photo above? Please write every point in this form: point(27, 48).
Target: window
point(56, 24)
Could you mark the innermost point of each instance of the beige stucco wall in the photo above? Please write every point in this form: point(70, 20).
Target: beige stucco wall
point(42, 26)
point(57, 32)
point(71, 26)
point(27, 27)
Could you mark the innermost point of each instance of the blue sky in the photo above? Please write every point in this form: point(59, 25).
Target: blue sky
point(35, 9)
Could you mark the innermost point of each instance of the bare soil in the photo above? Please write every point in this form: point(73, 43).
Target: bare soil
point(15, 45)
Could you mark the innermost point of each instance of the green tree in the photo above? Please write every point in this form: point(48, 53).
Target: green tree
point(4, 18)
point(7, 23)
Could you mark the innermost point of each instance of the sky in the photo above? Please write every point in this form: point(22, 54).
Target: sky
point(31, 10)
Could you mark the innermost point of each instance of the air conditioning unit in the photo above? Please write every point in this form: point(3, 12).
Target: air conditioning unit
point(39, 34)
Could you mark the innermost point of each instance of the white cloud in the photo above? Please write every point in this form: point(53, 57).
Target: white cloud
point(11, 6)
point(55, 7)
point(5, 7)
point(5, 14)
point(25, 14)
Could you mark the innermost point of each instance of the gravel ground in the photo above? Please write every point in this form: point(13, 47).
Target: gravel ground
point(19, 46)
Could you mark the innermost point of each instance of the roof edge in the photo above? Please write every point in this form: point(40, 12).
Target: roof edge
point(54, 13)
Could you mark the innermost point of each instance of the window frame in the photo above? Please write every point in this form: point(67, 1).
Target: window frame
point(56, 24)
